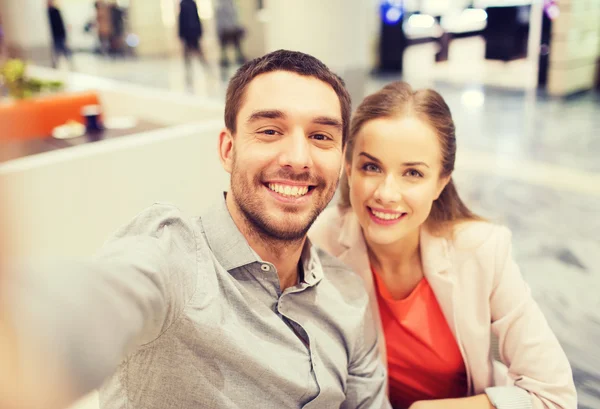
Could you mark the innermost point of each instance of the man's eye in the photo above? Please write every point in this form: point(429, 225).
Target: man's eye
point(321, 137)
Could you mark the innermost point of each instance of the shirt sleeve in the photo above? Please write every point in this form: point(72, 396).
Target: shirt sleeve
point(535, 360)
point(366, 386)
point(89, 316)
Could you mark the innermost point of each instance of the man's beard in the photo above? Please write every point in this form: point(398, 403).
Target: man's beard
point(249, 203)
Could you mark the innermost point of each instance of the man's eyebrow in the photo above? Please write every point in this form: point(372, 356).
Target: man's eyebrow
point(266, 114)
point(329, 121)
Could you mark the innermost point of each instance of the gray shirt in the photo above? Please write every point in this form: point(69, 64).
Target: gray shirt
point(190, 317)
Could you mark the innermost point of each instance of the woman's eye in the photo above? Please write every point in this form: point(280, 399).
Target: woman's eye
point(369, 167)
point(414, 173)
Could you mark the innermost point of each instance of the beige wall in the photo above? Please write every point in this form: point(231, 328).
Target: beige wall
point(26, 27)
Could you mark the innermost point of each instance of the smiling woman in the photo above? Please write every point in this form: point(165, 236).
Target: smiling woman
point(426, 113)
point(441, 279)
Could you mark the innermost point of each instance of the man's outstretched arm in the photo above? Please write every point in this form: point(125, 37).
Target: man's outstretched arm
point(71, 324)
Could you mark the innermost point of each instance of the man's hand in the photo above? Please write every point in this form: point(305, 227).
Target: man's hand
point(27, 378)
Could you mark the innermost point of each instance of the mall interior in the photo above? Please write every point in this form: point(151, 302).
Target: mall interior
point(521, 77)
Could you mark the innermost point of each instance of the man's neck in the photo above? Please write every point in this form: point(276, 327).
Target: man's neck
point(283, 254)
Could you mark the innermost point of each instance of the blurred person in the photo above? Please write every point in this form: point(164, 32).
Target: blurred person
point(190, 32)
point(2, 45)
point(103, 26)
point(117, 35)
point(235, 308)
point(229, 30)
point(59, 34)
point(441, 279)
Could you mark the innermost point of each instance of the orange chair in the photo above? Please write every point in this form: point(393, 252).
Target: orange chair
point(37, 117)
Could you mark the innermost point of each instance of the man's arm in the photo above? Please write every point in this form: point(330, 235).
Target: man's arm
point(367, 378)
point(85, 318)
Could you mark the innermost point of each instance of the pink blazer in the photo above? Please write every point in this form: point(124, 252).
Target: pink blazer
point(480, 290)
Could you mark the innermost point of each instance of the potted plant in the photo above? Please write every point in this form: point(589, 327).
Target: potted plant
point(18, 85)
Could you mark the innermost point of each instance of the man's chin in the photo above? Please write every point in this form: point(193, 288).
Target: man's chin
point(282, 227)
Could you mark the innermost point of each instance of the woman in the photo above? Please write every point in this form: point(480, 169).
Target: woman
point(441, 279)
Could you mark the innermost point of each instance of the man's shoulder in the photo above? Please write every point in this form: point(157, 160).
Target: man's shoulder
point(160, 219)
point(342, 277)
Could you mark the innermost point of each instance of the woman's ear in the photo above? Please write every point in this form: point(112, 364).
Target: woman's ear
point(442, 183)
point(347, 169)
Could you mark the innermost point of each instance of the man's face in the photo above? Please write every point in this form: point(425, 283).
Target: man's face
point(286, 155)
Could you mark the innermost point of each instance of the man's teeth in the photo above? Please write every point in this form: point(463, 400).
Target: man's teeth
point(290, 191)
point(387, 216)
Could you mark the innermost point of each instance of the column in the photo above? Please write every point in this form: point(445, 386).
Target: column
point(338, 32)
point(26, 29)
point(154, 22)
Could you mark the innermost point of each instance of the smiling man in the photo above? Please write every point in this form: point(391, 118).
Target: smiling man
point(235, 308)
point(283, 150)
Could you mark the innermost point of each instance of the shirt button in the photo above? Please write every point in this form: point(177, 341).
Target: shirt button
point(265, 267)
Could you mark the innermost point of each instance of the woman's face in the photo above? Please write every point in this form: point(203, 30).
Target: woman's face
point(394, 177)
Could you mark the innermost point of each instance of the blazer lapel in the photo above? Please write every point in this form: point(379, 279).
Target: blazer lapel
point(437, 264)
point(356, 256)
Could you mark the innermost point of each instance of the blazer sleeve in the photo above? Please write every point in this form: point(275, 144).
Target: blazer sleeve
point(325, 230)
point(527, 346)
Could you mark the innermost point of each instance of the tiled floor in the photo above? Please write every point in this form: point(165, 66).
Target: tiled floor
point(524, 160)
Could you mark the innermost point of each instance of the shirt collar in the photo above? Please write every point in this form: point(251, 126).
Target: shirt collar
point(226, 241)
point(313, 269)
point(232, 250)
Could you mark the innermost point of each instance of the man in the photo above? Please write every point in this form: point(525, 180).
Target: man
point(234, 309)
point(59, 34)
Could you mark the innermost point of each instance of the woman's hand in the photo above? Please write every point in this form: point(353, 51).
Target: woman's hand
point(472, 402)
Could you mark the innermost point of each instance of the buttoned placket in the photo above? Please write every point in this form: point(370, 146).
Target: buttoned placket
point(282, 309)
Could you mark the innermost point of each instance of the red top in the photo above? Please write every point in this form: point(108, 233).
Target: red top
point(424, 361)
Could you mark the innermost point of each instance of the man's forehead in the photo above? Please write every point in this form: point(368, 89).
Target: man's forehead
point(290, 93)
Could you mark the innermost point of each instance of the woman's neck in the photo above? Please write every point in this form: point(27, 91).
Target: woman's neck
point(398, 258)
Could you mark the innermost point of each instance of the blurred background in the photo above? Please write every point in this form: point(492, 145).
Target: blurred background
point(107, 107)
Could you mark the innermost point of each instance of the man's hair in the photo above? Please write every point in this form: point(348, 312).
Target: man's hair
point(284, 60)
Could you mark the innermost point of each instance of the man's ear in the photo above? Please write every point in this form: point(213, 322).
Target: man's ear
point(226, 149)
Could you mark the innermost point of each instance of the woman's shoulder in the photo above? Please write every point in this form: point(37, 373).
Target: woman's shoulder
point(478, 249)
point(478, 237)
point(326, 230)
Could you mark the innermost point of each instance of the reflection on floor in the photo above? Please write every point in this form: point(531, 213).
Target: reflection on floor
point(524, 160)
